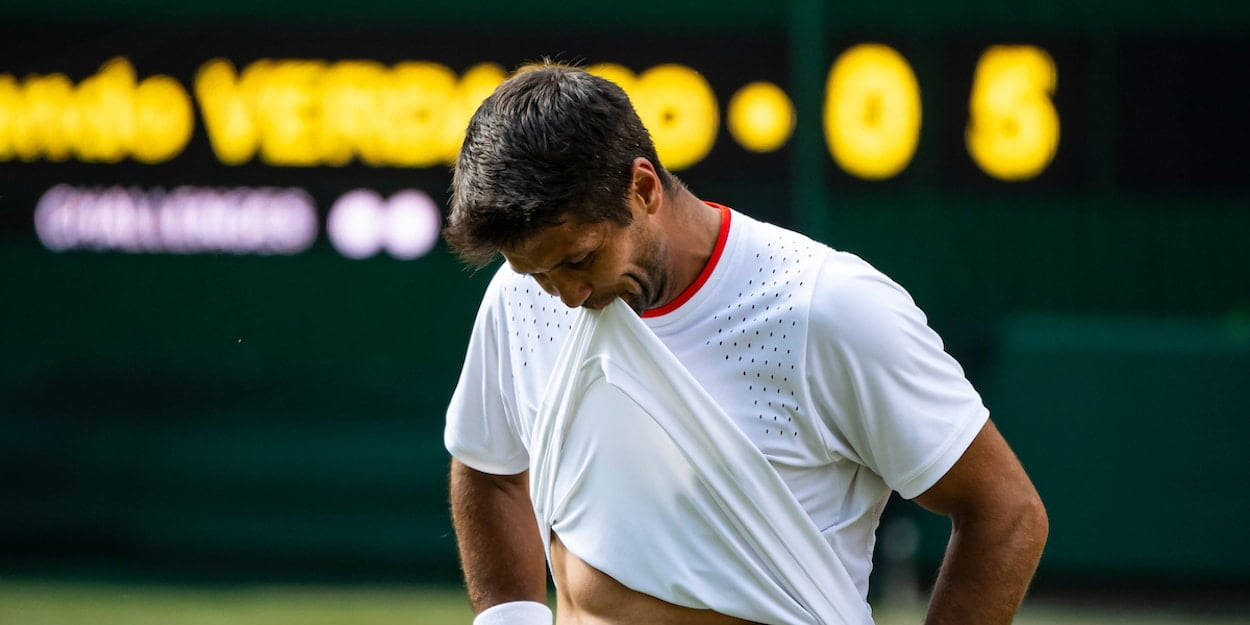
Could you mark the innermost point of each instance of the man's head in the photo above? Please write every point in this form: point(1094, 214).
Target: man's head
point(559, 175)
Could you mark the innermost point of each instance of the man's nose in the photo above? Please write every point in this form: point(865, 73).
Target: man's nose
point(571, 291)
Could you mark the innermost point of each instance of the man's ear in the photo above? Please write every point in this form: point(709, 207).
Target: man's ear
point(646, 185)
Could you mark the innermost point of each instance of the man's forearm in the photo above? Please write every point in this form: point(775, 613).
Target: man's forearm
point(988, 565)
point(500, 549)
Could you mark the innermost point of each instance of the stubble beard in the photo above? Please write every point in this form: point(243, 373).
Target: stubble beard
point(650, 277)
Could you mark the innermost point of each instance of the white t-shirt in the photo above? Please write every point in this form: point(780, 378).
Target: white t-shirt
point(824, 363)
point(643, 476)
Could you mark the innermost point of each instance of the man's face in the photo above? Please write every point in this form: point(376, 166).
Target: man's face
point(592, 264)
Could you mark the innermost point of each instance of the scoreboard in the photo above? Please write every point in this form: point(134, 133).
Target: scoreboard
point(301, 112)
point(119, 124)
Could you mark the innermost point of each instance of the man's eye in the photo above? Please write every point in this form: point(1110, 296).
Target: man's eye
point(585, 260)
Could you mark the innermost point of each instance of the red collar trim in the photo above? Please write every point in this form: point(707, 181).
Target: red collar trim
point(694, 287)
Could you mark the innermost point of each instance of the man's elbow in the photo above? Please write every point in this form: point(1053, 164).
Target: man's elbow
point(1032, 523)
point(1017, 522)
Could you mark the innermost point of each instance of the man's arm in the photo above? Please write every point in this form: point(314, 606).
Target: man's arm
point(500, 549)
point(999, 529)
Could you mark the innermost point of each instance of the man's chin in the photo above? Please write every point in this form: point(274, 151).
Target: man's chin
point(630, 299)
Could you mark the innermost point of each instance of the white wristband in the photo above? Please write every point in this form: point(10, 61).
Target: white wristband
point(515, 613)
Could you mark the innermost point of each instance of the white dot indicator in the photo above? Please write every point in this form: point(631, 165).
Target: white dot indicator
point(354, 224)
point(412, 225)
point(361, 224)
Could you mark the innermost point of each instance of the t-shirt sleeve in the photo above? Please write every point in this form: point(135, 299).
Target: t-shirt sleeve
point(480, 431)
point(891, 397)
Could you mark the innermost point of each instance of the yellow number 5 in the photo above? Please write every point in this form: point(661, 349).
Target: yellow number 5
point(1013, 128)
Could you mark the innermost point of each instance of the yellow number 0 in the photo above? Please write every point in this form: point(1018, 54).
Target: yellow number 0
point(872, 111)
point(1013, 128)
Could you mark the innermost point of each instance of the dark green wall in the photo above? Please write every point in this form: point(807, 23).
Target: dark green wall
point(230, 414)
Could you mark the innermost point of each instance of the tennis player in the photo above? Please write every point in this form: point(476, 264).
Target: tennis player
point(825, 364)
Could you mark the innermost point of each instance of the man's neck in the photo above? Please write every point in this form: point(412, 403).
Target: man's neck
point(691, 228)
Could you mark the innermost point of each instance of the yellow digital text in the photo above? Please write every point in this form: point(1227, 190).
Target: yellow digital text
point(106, 118)
point(1013, 127)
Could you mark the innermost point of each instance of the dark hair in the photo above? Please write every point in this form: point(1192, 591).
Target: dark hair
point(551, 142)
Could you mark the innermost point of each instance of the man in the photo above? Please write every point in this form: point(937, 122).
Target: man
point(823, 362)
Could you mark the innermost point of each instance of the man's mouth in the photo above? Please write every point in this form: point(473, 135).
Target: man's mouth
point(636, 301)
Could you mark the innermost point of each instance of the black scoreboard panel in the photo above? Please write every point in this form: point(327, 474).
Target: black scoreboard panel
point(1183, 123)
point(76, 54)
point(1174, 112)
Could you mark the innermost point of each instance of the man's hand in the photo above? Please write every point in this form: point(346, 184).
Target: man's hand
point(999, 529)
point(501, 551)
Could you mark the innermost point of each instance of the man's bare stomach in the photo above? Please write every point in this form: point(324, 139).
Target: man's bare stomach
point(587, 596)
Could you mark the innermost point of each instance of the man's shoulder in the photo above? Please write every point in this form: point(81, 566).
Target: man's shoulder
point(503, 279)
point(775, 258)
point(836, 273)
point(521, 308)
point(763, 235)
point(507, 286)
point(845, 291)
point(859, 306)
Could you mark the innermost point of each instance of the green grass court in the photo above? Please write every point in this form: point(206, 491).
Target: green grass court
point(25, 603)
